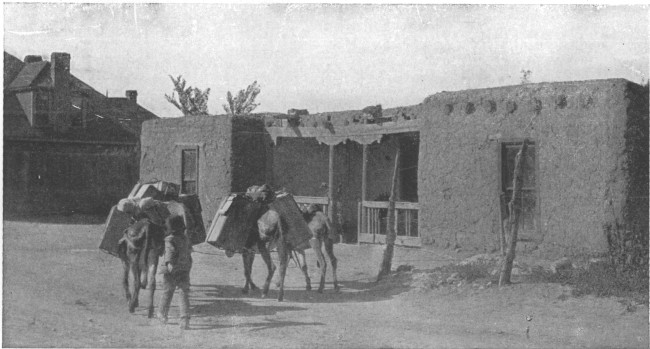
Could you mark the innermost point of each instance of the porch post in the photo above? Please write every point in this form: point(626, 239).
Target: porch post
point(330, 187)
point(364, 183)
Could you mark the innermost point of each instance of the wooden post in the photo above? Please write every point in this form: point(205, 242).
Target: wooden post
point(391, 234)
point(330, 187)
point(364, 188)
point(513, 219)
point(502, 237)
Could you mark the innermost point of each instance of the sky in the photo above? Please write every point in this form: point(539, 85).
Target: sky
point(329, 57)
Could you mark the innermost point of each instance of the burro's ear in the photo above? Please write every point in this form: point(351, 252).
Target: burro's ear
point(121, 247)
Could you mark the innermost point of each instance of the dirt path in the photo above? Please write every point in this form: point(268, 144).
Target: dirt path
point(61, 291)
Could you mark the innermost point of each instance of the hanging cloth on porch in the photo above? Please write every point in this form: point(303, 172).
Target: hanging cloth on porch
point(362, 134)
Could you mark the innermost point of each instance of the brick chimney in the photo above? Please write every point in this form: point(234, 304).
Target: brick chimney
point(33, 59)
point(132, 95)
point(60, 76)
point(60, 69)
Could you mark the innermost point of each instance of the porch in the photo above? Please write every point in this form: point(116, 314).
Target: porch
point(358, 176)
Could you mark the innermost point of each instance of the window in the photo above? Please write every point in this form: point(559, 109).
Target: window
point(526, 201)
point(78, 111)
point(41, 113)
point(42, 101)
point(189, 171)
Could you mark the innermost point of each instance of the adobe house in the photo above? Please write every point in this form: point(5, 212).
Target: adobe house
point(586, 170)
point(210, 156)
point(67, 147)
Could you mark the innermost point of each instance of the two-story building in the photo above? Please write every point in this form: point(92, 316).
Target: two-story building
point(67, 147)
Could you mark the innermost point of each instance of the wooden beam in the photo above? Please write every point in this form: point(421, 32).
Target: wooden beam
point(364, 187)
point(330, 187)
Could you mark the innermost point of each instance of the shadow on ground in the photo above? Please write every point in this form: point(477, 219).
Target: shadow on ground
point(63, 219)
point(351, 291)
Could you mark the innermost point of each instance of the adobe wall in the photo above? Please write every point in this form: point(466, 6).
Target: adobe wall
point(578, 129)
point(162, 141)
point(635, 165)
point(251, 157)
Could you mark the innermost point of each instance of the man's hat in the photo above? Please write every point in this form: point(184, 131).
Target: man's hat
point(174, 224)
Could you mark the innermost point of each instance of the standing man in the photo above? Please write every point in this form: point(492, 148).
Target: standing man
point(176, 265)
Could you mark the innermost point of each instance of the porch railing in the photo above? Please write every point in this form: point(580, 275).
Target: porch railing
point(372, 222)
point(324, 202)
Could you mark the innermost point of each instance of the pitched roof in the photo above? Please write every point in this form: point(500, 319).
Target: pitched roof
point(127, 113)
point(27, 75)
point(12, 66)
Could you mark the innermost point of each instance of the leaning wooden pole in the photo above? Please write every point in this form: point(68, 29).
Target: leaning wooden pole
point(502, 236)
point(391, 234)
point(513, 219)
point(364, 189)
point(330, 186)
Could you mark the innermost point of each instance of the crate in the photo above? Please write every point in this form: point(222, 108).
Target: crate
point(237, 216)
point(232, 223)
point(298, 233)
point(116, 223)
point(147, 191)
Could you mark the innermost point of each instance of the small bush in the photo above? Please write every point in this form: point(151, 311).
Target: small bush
point(600, 280)
point(469, 272)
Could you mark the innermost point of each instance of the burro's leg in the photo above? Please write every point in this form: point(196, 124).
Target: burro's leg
point(135, 287)
point(270, 266)
point(316, 246)
point(283, 254)
point(302, 261)
point(125, 280)
point(248, 257)
point(329, 248)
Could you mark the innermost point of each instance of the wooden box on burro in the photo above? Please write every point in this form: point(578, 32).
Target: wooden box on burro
point(232, 223)
point(237, 216)
point(116, 223)
point(297, 233)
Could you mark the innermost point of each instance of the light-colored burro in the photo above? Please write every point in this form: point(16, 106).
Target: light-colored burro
point(322, 234)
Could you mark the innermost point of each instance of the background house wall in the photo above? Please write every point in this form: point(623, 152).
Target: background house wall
point(61, 177)
point(583, 181)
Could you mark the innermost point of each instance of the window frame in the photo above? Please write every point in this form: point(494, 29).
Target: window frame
point(79, 112)
point(182, 148)
point(39, 113)
point(524, 235)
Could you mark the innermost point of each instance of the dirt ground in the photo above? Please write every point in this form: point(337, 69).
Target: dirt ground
point(59, 290)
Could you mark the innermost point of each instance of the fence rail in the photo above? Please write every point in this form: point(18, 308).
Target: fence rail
point(372, 222)
point(324, 202)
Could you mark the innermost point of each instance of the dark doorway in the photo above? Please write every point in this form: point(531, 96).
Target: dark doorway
point(409, 153)
point(526, 201)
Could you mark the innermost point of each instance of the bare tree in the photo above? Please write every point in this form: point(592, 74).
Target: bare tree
point(391, 234)
point(525, 76)
point(244, 102)
point(191, 100)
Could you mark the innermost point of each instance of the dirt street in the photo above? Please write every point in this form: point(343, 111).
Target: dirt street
point(59, 290)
